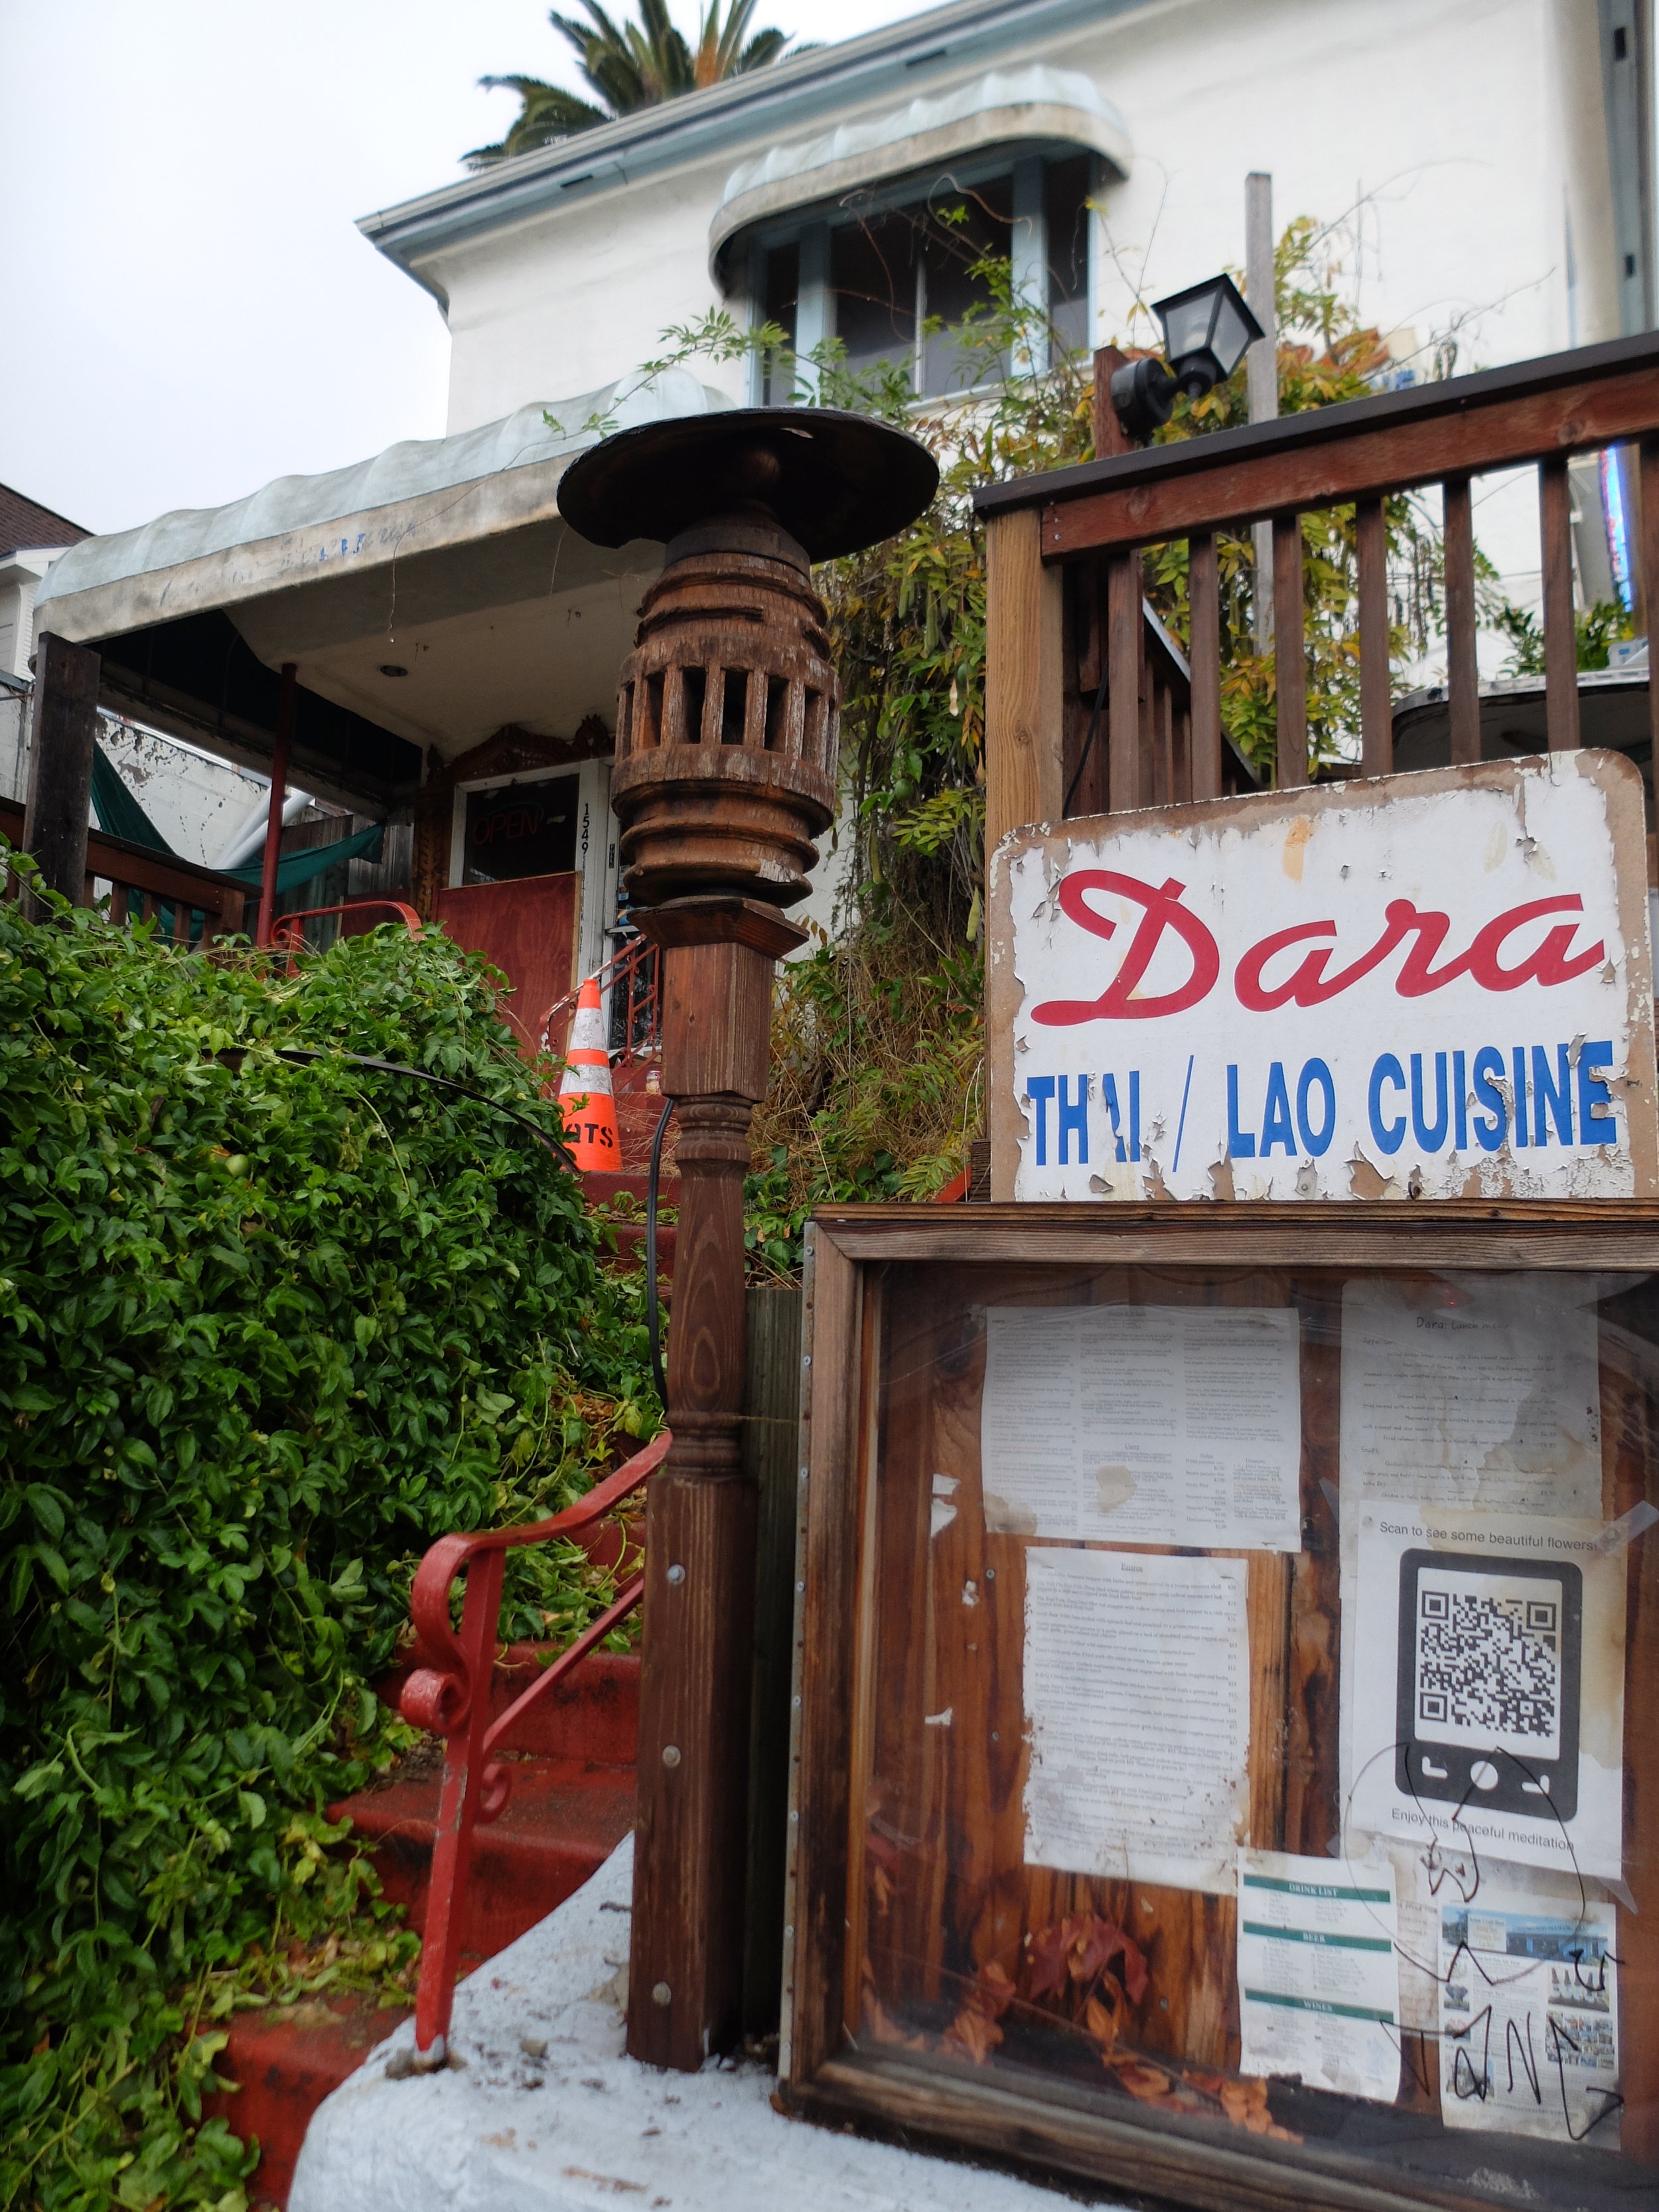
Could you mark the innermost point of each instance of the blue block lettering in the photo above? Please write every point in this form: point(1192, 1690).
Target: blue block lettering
point(1492, 1127)
point(1430, 1138)
point(1518, 1062)
point(1108, 1099)
point(1460, 1103)
point(1040, 1089)
point(1316, 1142)
point(1276, 1116)
point(1597, 1122)
point(1073, 1120)
point(1387, 1138)
point(1241, 1143)
point(1552, 1100)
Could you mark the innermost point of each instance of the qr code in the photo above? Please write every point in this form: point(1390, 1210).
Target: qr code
point(1489, 1662)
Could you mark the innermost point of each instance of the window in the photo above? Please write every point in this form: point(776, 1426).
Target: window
point(1066, 250)
point(888, 272)
point(779, 294)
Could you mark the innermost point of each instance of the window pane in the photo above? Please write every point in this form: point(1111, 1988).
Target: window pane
point(873, 273)
point(1065, 196)
point(959, 230)
point(779, 298)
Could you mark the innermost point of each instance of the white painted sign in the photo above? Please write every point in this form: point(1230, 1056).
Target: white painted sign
point(1436, 985)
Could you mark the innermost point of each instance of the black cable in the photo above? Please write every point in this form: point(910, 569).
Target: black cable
point(651, 1320)
point(438, 1082)
point(1083, 757)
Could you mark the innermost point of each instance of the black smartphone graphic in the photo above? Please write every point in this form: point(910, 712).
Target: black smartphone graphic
point(1488, 1684)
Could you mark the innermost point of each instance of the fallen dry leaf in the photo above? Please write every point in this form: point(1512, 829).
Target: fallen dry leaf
point(1141, 2079)
point(973, 2035)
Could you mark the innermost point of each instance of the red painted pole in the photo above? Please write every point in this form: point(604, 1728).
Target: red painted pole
point(278, 795)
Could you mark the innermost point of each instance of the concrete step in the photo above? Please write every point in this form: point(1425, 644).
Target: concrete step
point(571, 1761)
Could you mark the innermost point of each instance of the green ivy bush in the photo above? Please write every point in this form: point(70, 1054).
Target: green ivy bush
point(266, 1330)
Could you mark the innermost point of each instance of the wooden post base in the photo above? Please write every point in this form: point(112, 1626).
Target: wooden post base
point(685, 1968)
point(685, 1973)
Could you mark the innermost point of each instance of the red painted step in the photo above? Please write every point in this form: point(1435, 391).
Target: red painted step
point(572, 1804)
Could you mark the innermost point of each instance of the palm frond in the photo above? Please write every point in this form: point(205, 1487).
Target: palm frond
point(629, 64)
point(547, 113)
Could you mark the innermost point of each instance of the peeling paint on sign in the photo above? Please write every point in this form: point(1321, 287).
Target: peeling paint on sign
point(1434, 986)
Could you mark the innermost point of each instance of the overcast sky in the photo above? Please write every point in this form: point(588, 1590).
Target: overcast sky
point(189, 310)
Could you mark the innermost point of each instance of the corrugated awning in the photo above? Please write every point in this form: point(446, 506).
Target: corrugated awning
point(428, 597)
point(1037, 107)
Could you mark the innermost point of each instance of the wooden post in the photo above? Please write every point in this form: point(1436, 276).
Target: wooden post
point(1376, 691)
point(273, 851)
point(1262, 368)
point(771, 1449)
point(1560, 627)
point(1110, 437)
point(1649, 557)
point(1204, 657)
point(1462, 675)
point(1291, 667)
point(686, 1959)
point(1126, 776)
point(1024, 725)
point(62, 733)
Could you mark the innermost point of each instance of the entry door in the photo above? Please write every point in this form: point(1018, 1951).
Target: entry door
point(527, 928)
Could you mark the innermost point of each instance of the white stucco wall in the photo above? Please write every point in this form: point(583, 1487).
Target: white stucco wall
point(1450, 146)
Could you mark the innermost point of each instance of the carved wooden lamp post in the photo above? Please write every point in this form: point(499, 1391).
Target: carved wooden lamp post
point(726, 747)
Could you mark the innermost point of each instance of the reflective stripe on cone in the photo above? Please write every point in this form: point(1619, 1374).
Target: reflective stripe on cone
point(584, 1094)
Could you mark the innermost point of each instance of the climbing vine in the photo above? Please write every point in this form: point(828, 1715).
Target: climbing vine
point(266, 1330)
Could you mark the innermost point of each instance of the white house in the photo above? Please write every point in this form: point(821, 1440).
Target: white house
point(1486, 167)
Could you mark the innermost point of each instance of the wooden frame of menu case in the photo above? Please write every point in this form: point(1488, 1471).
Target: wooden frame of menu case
point(1065, 2135)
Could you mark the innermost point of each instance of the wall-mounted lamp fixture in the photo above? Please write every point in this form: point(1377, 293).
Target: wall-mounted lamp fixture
point(1207, 330)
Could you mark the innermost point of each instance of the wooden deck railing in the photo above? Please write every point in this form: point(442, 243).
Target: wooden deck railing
point(194, 902)
point(1043, 531)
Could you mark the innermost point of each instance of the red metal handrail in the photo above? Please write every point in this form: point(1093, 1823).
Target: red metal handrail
point(448, 1695)
point(287, 936)
point(635, 970)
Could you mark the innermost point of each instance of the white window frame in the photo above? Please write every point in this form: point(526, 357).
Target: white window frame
point(809, 228)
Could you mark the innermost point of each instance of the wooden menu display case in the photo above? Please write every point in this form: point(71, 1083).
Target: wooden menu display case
point(1154, 1558)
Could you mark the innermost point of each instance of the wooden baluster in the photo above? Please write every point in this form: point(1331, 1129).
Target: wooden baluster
point(1025, 660)
point(1561, 632)
point(1110, 437)
point(1291, 666)
point(1203, 652)
point(1462, 675)
point(1376, 694)
point(1182, 784)
point(1648, 494)
point(117, 903)
point(1124, 785)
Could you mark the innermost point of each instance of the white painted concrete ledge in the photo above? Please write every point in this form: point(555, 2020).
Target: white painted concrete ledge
point(573, 2124)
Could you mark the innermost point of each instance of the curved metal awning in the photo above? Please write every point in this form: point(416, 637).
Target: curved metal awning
point(443, 558)
point(1033, 107)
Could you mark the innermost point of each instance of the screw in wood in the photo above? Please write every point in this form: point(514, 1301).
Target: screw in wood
point(677, 1573)
point(670, 1754)
point(661, 1994)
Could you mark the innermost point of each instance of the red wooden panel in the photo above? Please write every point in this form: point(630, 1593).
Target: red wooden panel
point(527, 928)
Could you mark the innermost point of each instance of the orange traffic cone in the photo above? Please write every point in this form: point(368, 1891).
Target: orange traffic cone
point(584, 1094)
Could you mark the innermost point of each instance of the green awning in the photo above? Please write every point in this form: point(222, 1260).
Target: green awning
point(296, 868)
point(119, 815)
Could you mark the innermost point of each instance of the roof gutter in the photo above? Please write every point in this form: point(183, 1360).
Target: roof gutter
point(788, 95)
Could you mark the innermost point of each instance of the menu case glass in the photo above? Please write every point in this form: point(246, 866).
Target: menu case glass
point(1250, 1722)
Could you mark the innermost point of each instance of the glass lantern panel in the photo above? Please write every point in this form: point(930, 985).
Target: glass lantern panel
point(1230, 334)
point(1187, 325)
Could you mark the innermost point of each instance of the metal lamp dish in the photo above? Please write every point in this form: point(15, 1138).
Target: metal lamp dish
point(1206, 331)
point(832, 481)
point(728, 715)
